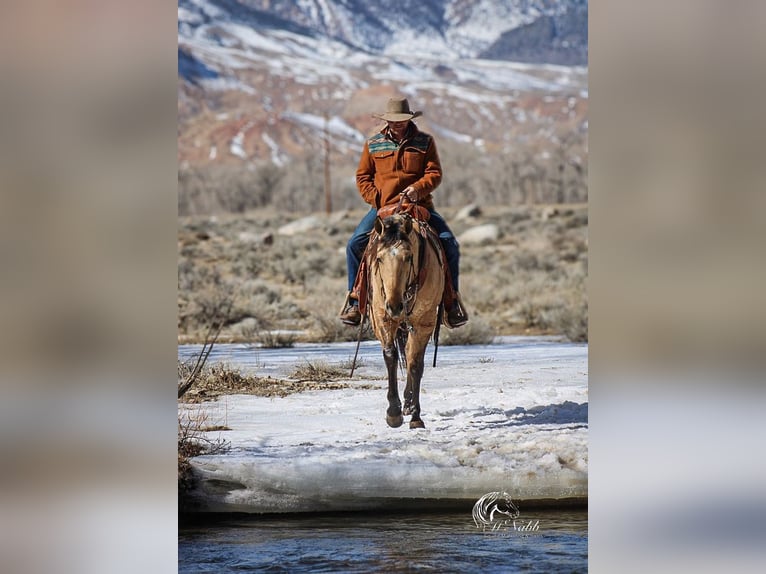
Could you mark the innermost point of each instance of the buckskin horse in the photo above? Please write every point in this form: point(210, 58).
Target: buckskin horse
point(406, 282)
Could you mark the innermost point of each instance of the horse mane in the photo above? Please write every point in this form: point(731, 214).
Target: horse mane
point(392, 232)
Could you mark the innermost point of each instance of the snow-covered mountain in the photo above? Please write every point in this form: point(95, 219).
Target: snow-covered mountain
point(265, 79)
point(443, 28)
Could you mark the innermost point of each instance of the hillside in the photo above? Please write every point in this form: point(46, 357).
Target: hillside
point(264, 81)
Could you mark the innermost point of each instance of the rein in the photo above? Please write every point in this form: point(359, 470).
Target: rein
point(413, 276)
point(416, 275)
point(411, 290)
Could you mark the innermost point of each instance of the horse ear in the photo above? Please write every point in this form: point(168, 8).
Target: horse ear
point(378, 225)
point(407, 225)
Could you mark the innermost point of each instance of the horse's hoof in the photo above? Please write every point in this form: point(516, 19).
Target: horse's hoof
point(394, 422)
point(417, 425)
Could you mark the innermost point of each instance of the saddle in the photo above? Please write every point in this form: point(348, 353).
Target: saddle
point(415, 211)
point(420, 216)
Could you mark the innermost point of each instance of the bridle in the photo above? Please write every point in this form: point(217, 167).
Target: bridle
point(411, 289)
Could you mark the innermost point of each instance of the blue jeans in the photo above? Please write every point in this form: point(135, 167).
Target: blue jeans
point(358, 242)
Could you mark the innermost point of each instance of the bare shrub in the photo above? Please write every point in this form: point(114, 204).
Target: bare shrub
point(328, 328)
point(476, 332)
point(324, 300)
point(200, 309)
point(304, 260)
point(221, 379)
point(192, 441)
point(521, 176)
point(189, 374)
point(319, 371)
point(573, 323)
point(525, 261)
point(518, 177)
point(225, 188)
point(192, 426)
point(297, 283)
point(276, 339)
point(571, 320)
point(348, 363)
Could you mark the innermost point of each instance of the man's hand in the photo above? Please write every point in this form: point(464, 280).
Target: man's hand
point(411, 194)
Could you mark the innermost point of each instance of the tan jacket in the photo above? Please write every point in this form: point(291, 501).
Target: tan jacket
point(386, 169)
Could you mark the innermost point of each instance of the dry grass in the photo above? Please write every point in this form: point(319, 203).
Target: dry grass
point(221, 379)
point(320, 372)
point(276, 339)
point(530, 281)
point(476, 332)
point(348, 363)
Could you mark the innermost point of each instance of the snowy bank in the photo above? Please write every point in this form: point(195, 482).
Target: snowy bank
point(510, 416)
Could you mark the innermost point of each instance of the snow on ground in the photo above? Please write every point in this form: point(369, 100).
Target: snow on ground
point(510, 416)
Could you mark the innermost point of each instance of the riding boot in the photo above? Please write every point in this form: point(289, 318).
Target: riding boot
point(456, 315)
point(350, 314)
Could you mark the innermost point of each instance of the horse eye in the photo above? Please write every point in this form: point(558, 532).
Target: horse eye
point(408, 259)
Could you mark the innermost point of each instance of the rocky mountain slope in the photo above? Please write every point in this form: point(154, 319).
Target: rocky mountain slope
point(265, 80)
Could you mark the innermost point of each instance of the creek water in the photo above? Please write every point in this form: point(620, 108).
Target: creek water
point(384, 542)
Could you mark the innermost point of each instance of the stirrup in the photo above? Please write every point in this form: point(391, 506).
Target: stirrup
point(346, 303)
point(350, 314)
point(462, 313)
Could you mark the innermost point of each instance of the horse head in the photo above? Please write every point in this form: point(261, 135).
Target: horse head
point(395, 262)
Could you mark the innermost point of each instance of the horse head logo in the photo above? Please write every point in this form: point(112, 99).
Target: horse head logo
point(494, 510)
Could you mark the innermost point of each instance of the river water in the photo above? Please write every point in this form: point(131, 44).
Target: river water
point(392, 542)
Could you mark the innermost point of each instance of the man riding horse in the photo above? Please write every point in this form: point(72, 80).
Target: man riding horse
point(400, 160)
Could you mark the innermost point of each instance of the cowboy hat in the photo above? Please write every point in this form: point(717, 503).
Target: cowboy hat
point(398, 110)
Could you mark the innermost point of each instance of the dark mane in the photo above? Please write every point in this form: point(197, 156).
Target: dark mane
point(392, 232)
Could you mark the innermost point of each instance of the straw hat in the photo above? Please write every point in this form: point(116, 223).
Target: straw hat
point(398, 110)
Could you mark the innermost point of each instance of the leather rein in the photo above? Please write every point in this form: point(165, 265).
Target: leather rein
point(414, 278)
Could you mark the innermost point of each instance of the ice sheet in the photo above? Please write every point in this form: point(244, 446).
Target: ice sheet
point(510, 416)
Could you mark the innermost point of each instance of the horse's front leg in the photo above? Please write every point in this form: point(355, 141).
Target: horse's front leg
point(394, 412)
point(416, 351)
